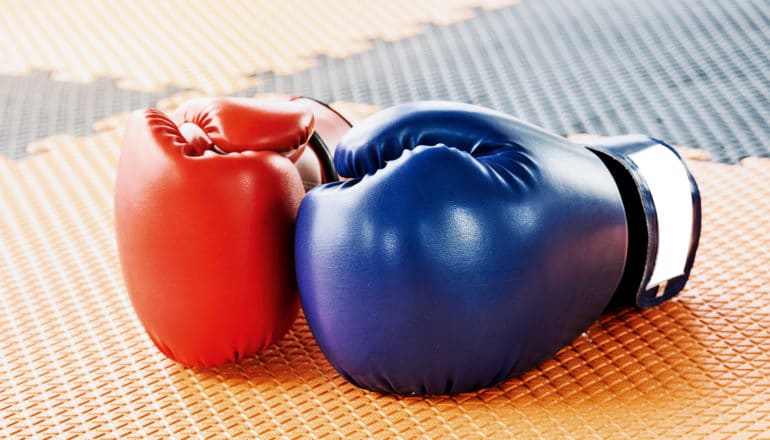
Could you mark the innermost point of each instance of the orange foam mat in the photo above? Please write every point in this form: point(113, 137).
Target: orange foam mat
point(74, 360)
point(214, 47)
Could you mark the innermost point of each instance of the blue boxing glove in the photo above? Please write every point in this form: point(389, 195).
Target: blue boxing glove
point(469, 246)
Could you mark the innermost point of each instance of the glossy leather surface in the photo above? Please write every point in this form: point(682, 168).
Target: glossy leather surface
point(467, 247)
point(246, 124)
point(205, 238)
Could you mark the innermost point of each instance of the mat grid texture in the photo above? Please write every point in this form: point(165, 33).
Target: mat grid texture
point(75, 362)
point(693, 72)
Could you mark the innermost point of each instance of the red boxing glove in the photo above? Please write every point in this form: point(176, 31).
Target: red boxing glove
point(205, 207)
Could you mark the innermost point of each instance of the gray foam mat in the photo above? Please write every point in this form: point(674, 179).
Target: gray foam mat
point(35, 106)
point(692, 72)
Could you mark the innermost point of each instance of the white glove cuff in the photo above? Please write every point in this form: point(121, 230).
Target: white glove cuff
point(671, 206)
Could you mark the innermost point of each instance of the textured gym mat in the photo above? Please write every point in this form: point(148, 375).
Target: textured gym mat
point(110, 57)
point(690, 71)
point(694, 72)
point(74, 361)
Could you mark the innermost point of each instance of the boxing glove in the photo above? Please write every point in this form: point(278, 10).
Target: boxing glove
point(468, 246)
point(205, 207)
point(330, 126)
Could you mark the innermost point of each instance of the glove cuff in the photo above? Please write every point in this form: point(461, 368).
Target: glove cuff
point(316, 165)
point(663, 209)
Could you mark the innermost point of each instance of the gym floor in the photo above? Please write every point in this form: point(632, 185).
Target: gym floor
point(74, 360)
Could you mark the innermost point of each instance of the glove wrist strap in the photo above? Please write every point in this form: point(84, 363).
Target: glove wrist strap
point(664, 224)
point(325, 161)
point(330, 125)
